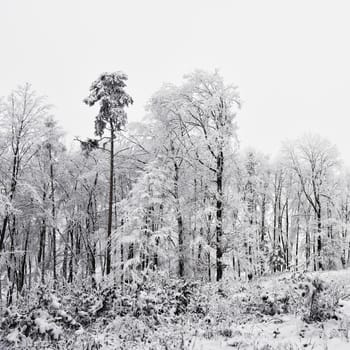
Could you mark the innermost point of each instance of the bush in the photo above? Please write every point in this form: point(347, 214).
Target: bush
point(158, 313)
point(44, 319)
point(320, 300)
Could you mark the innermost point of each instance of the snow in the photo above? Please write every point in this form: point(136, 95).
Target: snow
point(56, 332)
point(80, 331)
point(13, 337)
point(46, 326)
point(42, 323)
point(235, 318)
point(54, 302)
point(291, 333)
point(288, 332)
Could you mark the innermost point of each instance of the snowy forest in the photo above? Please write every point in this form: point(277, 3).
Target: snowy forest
point(162, 233)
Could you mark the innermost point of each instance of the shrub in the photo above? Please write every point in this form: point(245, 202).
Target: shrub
point(320, 300)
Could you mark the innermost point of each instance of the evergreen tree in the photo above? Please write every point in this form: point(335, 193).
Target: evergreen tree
point(109, 91)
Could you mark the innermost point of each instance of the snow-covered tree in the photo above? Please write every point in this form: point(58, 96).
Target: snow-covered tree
point(109, 92)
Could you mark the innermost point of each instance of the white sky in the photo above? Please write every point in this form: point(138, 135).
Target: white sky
point(290, 59)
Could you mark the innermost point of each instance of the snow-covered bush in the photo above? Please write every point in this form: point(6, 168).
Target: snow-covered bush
point(44, 318)
point(320, 300)
point(159, 312)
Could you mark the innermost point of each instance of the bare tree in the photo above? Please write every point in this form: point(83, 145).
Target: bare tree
point(313, 160)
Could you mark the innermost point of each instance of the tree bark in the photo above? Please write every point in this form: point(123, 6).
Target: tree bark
point(219, 212)
point(53, 213)
point(180, 228)
point(110, 203)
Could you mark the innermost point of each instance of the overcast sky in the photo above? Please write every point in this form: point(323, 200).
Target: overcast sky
point(290, 59)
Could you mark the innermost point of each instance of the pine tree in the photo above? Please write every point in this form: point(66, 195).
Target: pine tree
point(109, 91)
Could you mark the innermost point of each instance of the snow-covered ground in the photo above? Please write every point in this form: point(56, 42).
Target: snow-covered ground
point(289, 332)
point(281, 312)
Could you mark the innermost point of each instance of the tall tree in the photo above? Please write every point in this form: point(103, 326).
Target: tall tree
point(313, 159)
point(109, 91)
point(169, 131)
point(210, 108)
point(22, 113)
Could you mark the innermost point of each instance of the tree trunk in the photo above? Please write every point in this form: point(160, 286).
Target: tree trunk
point(307, 247)
point(65, 257)
point(180, 228)
point(53, 213)
point(71, 262)
point(275, 224)
point(319, 240)
point(110, 203)
point(219, 212)
point(287, 236)
point(262, 237)
point(41, 255)
point(21, 272)
point(297, 236)
point(15, 168)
